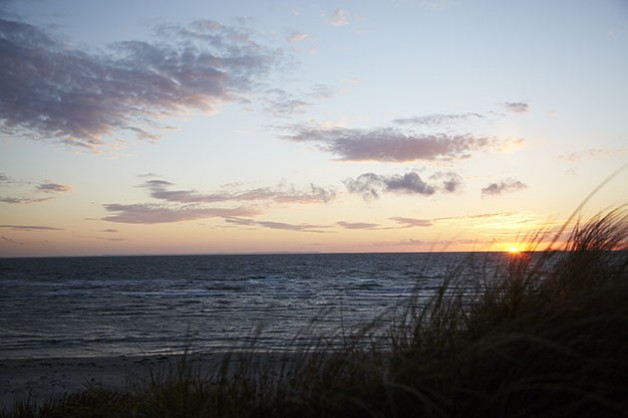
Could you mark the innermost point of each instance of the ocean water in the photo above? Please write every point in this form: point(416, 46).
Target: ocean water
point(101, 306)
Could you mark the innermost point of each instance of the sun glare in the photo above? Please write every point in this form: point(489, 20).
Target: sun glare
point(514, 251)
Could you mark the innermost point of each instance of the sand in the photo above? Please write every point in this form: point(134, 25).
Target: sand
point(39, 380)
point(50, 378)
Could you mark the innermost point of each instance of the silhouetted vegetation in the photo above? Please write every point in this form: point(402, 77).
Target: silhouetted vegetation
point(546, 336)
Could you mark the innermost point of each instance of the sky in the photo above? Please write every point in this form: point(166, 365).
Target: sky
point(204, 127)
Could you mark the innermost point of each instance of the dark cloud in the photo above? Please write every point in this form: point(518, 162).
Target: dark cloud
point(147, 175)
point(438, 119)
point(23, 200)
point(109, 230)
point(185, 205)
point(109, 239)
point(52, 90)
point(516, 107)
point(279, 225)
point(508, 185)
point(49, 188)
point(370, 185)
point(153, 214)
point(358, 225)
point(412, 222)
point(409, 183)
point(159, 189)
point(449, 182)
point(9, 240)
point(53, 188)
point(30, 228)
point(390, 144)
point(157, 183)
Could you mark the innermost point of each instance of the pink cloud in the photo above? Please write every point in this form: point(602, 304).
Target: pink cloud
point(338, 18)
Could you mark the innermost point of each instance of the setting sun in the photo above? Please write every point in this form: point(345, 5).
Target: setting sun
point(211, 144)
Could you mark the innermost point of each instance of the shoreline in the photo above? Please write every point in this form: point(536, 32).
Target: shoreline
point(42, 379)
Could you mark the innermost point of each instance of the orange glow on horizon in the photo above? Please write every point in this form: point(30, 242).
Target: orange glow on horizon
point(514, 251)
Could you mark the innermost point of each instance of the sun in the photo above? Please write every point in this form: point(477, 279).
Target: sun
point(514, 251)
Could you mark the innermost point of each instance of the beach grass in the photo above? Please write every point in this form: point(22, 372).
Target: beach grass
point(545, 334)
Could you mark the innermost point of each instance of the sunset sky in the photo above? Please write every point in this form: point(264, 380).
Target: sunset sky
point(192, 127)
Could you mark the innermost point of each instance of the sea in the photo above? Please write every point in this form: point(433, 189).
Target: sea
point(144, 305)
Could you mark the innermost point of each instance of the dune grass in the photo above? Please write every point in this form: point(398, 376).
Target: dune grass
point(547, 335)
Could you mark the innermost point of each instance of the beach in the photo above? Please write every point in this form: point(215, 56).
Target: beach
point(51, 378)
point(39, 380)
point(42, 379)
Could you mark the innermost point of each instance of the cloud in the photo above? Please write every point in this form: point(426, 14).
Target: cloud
point(287, 107)
point(298, 37)
point(23, 200)
point(593, 153)
point(5, 179)
point(31, 228)
point(279, 103)
point(412, 222)
point(49, 188)
point(147, 175)
point(508, 185)
point(403, 140)
point(153, 214)
point(109, 239)
point(437, 119)
point(516, 107)
point(109, 230)
point(53, 188)
point(323, 91)
point(409, 183)
point(391, 144)
point(279, 225)
point(52, 90)
point(185, 205)
point(368, 185)
point(338, 18)
point(486, 215)
point(7, 239)
point(449, 182)
point(497, 219)
point(431, 245)
point(353, 80)
point(160, 189)
point(371, 185)
point(358, 225)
